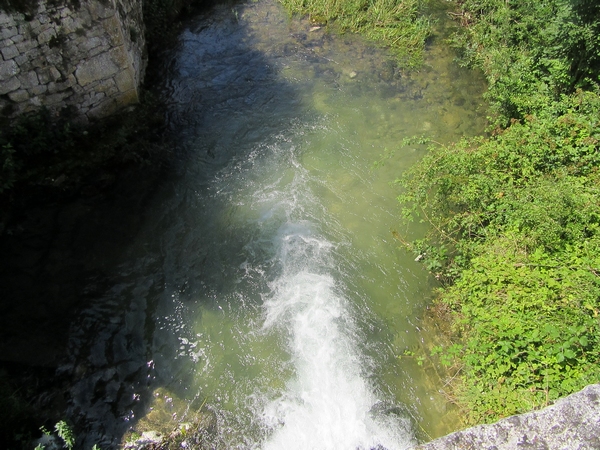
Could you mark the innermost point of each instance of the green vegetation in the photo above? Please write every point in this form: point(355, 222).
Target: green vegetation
point(65, 433)
point(515, 217)
point(45, 154)
point(396, 24)
point(15, 413)
point(531, 52)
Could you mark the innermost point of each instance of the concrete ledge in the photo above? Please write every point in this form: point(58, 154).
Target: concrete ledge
point(572, 423)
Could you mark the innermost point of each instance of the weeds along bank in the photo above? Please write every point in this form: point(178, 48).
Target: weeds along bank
point(398, 24)
point(515, 217)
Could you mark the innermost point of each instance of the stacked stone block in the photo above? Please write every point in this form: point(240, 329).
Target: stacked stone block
point(87, 55)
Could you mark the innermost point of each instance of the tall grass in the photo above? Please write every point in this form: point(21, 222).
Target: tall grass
point(396, 24)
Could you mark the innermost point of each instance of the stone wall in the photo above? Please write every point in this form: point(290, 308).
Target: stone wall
point(572, 423)
point(87, 54)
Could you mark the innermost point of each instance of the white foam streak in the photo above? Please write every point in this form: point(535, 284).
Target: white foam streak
point(327, 405)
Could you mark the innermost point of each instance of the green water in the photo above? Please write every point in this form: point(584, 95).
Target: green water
point(274, 298)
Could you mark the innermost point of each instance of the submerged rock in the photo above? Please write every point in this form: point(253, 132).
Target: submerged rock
point(572, 423)
point(148, 440)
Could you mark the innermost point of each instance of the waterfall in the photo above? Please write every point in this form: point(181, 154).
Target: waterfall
point(328, 403)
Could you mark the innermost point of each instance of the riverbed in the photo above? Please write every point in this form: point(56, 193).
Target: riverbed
point(261, 291)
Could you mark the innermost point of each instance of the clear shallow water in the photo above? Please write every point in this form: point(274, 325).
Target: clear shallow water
point(265, 289)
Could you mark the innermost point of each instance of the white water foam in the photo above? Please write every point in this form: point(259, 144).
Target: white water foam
point(328, 404)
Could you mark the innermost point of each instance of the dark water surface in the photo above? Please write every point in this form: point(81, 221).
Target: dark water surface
point(256, 287)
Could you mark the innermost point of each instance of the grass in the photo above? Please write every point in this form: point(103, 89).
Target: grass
point(396, 24)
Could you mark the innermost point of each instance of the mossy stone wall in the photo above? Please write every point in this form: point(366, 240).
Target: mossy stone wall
point(88, 55)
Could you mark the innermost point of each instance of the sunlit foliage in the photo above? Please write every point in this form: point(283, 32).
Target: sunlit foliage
point(515, 217)
point(396, 24)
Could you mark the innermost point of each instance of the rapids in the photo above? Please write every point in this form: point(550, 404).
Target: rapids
point(265, 291)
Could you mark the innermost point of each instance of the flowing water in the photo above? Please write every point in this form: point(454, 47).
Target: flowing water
point(265, 296)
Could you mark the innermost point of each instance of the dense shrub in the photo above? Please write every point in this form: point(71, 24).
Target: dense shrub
point(532, 52)
point(515, 217)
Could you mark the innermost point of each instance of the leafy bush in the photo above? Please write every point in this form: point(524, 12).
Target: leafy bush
point(515, 217)
point(480, 181)
point(529, 323)
point(532, 52)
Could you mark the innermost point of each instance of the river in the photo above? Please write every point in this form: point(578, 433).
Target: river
point(264, 294)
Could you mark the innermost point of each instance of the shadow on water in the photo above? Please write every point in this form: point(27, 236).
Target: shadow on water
point(58, 260)
point(86, 284)
point(184, 246)
point(127, 343)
